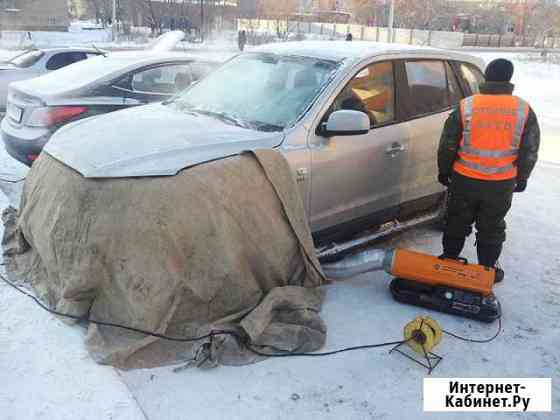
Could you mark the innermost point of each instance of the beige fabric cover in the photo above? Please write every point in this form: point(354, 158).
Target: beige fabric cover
point(219, 246)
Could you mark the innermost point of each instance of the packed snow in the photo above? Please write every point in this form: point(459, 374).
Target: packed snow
point(48, 374)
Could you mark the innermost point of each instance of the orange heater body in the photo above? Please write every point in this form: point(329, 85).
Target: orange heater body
point(435, 271)
point(447, 285)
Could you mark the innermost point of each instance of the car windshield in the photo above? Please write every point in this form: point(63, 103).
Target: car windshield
point(265, 92)
point(26, 59)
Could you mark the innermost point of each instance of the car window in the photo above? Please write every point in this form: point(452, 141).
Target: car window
point(472, 76)
point(64, 59)
point(372, 91)
point(427, 83)
point(166, 80)
point(27, 59)
point(454, 94)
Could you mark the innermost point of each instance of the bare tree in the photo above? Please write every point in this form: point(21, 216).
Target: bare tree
point(154, 13)
point(423, 14)
point(102, 9)
point(543, 19)
point(277, 9)
point(417, 14)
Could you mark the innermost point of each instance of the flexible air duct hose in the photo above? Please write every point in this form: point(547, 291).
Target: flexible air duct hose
point(361, 262)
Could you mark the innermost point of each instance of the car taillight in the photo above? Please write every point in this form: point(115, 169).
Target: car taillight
point(47, 116)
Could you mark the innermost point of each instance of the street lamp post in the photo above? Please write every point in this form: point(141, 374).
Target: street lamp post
point(391, 20)
point(114, 21)
point(201, 21)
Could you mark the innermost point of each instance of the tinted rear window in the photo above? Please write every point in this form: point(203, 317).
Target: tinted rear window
point(427, 82)
point(64, 59)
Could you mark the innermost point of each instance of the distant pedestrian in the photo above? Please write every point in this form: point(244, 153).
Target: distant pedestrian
point(348, 36)
point(241, 39)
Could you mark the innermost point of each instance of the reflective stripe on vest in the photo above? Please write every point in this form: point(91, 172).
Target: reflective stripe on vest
point(497, 122)
point(485, 169)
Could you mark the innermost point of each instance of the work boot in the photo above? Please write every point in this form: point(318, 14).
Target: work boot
point(488, 255)
point(452, 247)
point(499, 275)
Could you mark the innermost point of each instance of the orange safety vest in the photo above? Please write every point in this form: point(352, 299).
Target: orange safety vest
point(492, 129)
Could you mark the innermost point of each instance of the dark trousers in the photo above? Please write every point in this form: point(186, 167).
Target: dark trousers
point(484, 204)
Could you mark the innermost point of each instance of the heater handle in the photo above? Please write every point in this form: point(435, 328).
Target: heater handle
point(461, 259)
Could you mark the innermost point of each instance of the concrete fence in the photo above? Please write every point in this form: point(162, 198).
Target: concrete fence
point(509, 40)
point(25, 39)
point(318, 30)
point(268, 28)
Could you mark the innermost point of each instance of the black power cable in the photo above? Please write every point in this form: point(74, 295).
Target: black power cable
point(327, 353)
point(110, 324)
point(470, 340)
point(12, 181)
point(234, 334)
point(193, 339)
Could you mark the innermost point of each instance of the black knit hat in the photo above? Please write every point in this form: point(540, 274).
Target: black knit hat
point(499, 70)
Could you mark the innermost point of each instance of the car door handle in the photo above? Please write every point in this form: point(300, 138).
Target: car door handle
point(395, 149)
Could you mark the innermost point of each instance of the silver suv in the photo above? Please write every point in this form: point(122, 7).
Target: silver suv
point(359, 123)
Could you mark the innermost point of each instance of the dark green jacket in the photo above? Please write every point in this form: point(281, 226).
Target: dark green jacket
point(453, 131)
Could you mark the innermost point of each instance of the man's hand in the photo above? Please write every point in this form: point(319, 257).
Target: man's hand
point(521, 185)
point(444, 179)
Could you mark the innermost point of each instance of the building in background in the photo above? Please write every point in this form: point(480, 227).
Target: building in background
point(34, 15)
point(185, 14)
point(498, 16)
point(248, 9)
point(162, 15)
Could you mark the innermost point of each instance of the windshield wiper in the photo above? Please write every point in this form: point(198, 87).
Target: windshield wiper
point(224, 116)
point(262, 126)
point(220, 115)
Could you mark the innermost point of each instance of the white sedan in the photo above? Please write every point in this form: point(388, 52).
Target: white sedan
point(34, 63)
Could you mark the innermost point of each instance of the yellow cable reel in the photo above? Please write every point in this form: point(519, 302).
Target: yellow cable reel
point(422, 334)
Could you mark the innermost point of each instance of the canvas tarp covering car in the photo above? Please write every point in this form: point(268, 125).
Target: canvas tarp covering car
point(222, 245)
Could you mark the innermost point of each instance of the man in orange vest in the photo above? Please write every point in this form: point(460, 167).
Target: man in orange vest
point(487, 151)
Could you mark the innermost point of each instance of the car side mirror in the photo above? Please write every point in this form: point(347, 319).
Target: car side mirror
point(346, 122)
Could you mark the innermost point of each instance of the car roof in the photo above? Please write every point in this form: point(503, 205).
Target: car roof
point(63, 82)
point(70, 49)
point(360, 50)
point(144, 56)
point(150, 57)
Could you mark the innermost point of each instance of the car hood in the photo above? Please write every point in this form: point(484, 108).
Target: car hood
point(151, 140)
point(7, 66)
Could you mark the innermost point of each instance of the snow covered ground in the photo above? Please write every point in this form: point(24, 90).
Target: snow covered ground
point(47, 374)
point(46, 371)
